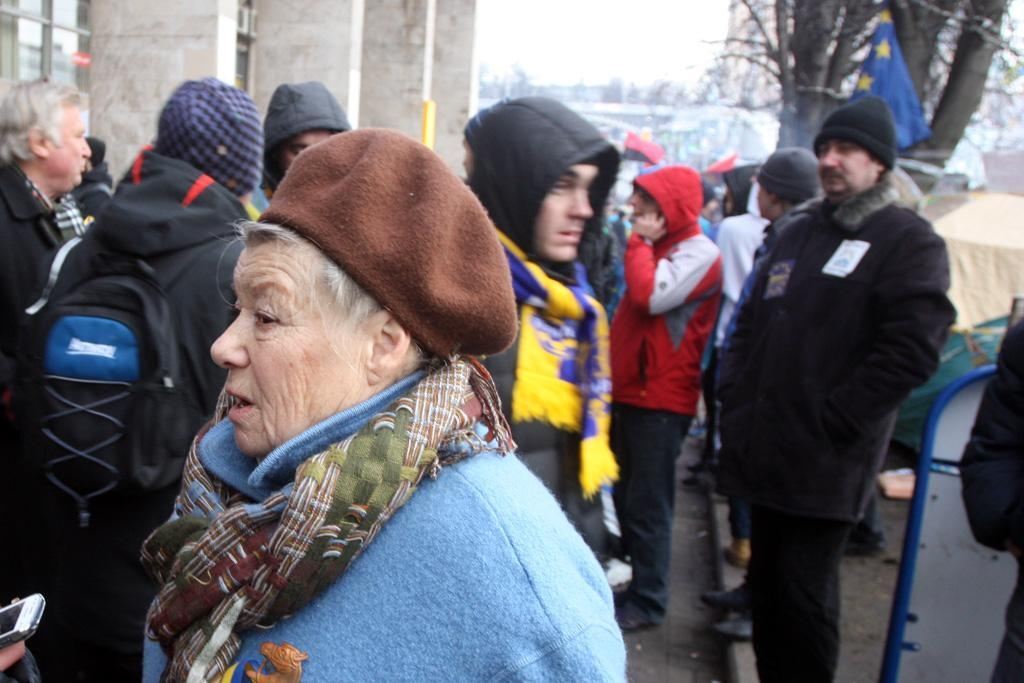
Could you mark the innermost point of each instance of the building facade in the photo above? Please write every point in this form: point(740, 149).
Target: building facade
point(380, 58)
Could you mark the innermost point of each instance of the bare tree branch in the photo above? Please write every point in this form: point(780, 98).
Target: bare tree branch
point(828, 92)
point(767, 50)
point(761, 27)
point(768, 66)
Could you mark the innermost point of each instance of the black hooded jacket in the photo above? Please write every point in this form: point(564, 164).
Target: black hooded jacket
point(992, 469)
point(520, 152)
point(739, 181)
point(295, 108)
point(92, 575)
point(95, 190)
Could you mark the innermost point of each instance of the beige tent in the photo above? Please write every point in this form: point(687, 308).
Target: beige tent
point(985, 237)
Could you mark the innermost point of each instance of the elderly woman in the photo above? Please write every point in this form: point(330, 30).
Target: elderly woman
point(349, 514)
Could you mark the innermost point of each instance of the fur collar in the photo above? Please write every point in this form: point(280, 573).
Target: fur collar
point(854, 211)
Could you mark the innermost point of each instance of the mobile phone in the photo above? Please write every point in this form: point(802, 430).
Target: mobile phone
point(20, 619)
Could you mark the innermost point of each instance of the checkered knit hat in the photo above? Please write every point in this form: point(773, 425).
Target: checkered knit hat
point(216, 128)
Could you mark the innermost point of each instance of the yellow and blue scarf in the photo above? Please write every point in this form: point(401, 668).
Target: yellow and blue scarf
point(562, 370)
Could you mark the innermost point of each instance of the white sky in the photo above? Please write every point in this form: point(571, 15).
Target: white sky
point(565, 41)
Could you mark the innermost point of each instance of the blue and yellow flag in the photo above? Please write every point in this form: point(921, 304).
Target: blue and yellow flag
point(885, 74)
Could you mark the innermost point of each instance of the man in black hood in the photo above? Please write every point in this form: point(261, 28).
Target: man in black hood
point(543, 174)
point(299, 116)
point(97, 186)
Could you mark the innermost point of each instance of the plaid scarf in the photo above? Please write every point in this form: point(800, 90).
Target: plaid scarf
point(65, 213)
point(227, 564)
point(562, 370)
point(68, 218)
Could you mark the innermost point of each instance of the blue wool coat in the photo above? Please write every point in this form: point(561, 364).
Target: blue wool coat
point(478, 577)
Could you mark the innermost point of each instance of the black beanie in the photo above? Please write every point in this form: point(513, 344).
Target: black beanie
point(790, 173)
point(867, 122)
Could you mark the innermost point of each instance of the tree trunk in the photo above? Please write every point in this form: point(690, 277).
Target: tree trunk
point(917, 29)
point(811, 43)
point(966, 84)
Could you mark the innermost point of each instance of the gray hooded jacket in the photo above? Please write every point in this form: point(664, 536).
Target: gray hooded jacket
point(295, 108)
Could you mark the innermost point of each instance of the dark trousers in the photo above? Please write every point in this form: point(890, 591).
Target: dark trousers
point(870, 528)
point(62, 656)
point(709, 387)
point(1010, 663)
point(646, 444)
point(794, 587)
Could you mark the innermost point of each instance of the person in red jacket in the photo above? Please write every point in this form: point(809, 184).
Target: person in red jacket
point(673, 290)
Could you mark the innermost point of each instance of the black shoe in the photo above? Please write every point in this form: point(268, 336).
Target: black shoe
point(736, 600)
point(866, 547)
point(630, 619)
point(738, 629)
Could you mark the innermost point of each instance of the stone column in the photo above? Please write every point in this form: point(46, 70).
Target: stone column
point(303, 40)
point(141, 51)
point(392, 69)
point(456, 76)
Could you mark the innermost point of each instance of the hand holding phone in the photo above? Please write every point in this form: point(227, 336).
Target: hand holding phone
point(20, 619)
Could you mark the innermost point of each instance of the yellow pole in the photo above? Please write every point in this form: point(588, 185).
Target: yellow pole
point(429, 122)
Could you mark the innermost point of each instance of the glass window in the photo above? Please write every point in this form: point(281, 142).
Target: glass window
point(243, 43)
point(71, 58)
point(30, 6)
point(242, 66)
point(55, 45)
point(71, 13)
point(21, 48)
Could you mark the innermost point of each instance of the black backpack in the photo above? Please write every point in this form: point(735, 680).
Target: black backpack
point(100, 399)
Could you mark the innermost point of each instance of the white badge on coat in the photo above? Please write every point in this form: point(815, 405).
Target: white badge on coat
point(846, 258)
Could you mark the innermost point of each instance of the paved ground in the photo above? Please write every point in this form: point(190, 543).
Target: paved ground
point(685, 650)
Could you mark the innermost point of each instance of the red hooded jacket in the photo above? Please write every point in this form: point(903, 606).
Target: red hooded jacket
point(673, 290)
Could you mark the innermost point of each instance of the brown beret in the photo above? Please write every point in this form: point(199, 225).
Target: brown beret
point(392, 215)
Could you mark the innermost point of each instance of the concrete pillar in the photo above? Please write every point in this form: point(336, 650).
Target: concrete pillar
point(392, 69)
point(303, 40)
point(142, 50)
point(456, 76)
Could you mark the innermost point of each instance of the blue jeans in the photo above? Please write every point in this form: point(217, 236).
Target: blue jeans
point(646, 444)
point(739, 517)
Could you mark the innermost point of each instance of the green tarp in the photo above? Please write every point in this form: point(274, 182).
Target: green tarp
point(965, 350)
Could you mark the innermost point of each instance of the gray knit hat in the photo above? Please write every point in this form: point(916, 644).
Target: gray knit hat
point(790, 173)
point(216, 128)
point(866, 121)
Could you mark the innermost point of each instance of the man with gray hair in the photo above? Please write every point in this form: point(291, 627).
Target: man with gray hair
point(42, 156)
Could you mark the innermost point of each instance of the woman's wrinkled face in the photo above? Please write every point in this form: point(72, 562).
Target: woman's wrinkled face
point(291, 360)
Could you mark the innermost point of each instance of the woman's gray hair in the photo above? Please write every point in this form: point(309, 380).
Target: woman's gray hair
point(34, 105)
point(355, 303)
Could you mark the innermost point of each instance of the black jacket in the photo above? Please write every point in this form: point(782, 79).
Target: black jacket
point(819, 363)
point(521, 150)
point(93, 576)
point(295, 108)
point(95, 191)
point(992, 468)
point(28, 238)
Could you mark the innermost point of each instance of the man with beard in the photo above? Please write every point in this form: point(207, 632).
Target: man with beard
point(846, 316)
